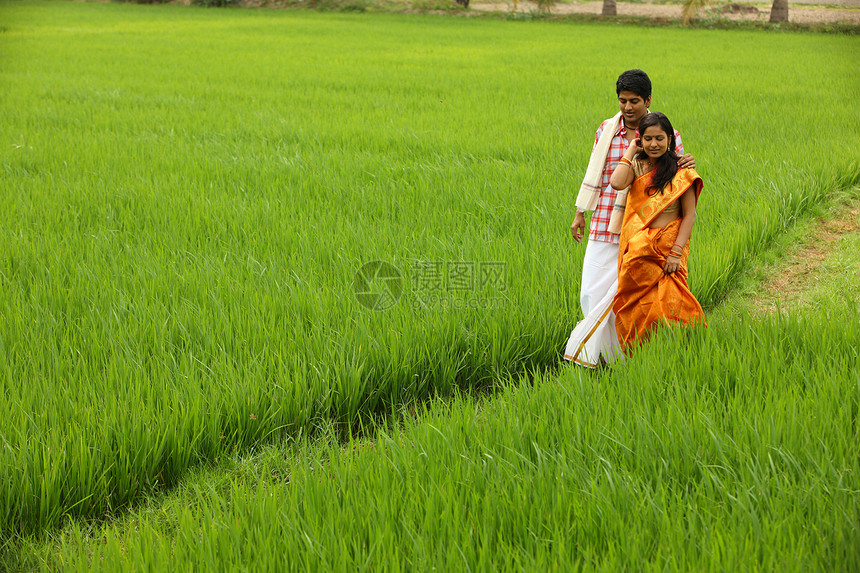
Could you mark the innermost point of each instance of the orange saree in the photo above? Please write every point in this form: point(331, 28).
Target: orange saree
point(646, 295)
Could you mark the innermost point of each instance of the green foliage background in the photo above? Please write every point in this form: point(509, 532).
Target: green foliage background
point(187, 195)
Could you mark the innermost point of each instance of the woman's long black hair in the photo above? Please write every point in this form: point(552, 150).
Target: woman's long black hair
point(667, 164)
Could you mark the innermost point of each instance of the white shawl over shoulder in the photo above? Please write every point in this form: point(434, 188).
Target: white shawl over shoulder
point(589, 191)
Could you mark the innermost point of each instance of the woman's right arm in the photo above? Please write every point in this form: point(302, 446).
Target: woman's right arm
point(623, 176)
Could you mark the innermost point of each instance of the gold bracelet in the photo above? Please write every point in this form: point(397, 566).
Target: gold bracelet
point(625, 161)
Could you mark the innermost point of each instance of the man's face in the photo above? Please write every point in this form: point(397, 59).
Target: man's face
point(633, 107)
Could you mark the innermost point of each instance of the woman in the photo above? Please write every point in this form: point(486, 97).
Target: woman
point(657, 223)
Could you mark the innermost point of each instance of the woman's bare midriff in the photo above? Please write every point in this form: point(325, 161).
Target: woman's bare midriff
point(664, 219)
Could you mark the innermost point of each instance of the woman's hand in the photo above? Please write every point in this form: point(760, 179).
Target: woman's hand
point(634, 148)
point(673, 263)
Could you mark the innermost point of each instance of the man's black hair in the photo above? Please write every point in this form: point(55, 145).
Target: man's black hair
point(635, 81)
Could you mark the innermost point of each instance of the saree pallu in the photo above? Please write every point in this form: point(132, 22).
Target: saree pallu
point(647, 296)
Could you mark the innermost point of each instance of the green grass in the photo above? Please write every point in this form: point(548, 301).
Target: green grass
point(731, 448)
point(187, 195)
point(728, 448)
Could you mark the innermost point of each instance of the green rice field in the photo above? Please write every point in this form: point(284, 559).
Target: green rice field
point(192, 374)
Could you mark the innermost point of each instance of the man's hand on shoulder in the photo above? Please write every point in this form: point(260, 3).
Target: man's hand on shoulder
point(686, 161)
point(577, 229)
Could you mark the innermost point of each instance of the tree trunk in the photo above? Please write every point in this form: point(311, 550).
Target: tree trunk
point(463, 3)
point(609, 8)
point(779, 11)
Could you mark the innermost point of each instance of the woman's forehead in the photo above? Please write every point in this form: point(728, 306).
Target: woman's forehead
point(654, 130)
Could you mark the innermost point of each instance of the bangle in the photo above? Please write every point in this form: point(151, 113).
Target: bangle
point(679, 246)
point(625, 161)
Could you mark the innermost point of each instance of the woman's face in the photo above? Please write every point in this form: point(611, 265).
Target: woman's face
point(655, 141)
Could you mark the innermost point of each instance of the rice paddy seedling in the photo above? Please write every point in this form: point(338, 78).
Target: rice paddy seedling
point(731, 447)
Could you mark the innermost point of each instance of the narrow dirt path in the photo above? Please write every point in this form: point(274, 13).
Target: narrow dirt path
point(818, 265)
point(830, 12)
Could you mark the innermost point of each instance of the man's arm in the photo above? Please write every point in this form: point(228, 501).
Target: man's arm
point(577, 228)
point(685, 160)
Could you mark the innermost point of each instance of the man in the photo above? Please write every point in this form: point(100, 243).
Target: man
point(594, 340)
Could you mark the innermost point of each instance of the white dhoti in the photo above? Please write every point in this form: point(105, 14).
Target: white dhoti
point(595, 335)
